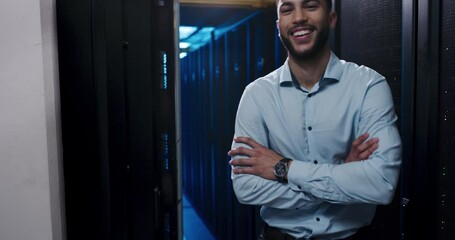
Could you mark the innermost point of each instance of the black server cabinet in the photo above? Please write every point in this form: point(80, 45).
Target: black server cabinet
point(118, 66)
point(370, 33)
point(446, 141)
point(430, 71)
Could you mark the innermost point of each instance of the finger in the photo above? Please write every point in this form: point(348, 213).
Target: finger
point(248, 141)
point(367, 153)
point(360, 139)
point(241, 162)
point(366, 145)
point(241, 151)
point(245, 170)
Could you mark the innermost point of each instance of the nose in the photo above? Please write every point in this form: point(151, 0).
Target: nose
point(300, 16)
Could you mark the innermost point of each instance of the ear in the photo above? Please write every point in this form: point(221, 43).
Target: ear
point(278, 26)
point(333, 17)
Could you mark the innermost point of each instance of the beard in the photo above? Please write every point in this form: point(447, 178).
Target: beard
point(320, 41)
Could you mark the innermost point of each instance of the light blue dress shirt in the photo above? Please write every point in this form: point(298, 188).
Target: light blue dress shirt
point(324, 197)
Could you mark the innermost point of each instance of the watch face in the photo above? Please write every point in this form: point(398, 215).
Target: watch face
point(280, 169)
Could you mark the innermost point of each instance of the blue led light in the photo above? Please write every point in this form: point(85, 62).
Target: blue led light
point(165, 138)
point(164, 80)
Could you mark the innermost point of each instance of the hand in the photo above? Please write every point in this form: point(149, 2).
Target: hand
point(260, 161)
point(361, 150)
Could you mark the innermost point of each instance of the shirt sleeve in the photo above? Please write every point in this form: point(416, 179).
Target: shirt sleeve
point(254, 190)
point(370, 181)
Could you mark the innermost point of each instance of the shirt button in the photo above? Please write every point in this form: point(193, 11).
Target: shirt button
point(310, 128)
point(315, 162)
point(310, 95)
point(299, 187)
point(318, 219)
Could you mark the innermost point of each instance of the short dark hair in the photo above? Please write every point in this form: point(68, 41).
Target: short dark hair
point(329, 4)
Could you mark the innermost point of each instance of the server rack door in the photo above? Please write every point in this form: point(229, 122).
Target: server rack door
point(446, 167)
point(150, 64)
point(370, 34)
point(84, 120)
point(424, 159)
point(117, 72)
point(223, 137)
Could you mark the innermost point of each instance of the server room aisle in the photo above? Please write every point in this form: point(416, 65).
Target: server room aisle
point(193, 226)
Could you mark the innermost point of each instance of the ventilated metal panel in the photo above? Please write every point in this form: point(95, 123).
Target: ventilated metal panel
point(370, 34)
point(117, 78)
point(446, 174)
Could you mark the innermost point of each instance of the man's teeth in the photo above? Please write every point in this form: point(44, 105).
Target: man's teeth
point(301, 33)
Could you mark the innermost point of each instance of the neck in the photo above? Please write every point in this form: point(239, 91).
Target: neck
point(309, 71)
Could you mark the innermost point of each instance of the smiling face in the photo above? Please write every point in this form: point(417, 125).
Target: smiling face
point(304, 27)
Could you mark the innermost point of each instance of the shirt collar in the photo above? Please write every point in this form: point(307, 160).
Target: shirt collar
point(332, 73)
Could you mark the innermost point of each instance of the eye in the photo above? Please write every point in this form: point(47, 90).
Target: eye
point(285, 10)
point(312, 5)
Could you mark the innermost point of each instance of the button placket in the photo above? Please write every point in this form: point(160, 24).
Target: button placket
point(308, 124)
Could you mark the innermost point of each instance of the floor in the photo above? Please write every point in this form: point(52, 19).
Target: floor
point(193, 226)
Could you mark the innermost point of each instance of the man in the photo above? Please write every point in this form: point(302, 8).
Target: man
point(299, 151)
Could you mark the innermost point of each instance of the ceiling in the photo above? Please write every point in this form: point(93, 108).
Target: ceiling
point(217, 14)
point(202, 16)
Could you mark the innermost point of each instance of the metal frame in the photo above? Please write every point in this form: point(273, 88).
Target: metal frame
point(178, 120)
point(420, 118)
point(407, 114)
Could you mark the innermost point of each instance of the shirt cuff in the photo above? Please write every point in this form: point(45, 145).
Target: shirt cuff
point(298, 176)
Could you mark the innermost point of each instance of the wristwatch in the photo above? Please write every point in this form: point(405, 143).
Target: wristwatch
point(281, 169)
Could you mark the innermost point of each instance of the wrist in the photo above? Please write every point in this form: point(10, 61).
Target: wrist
point(281, 169)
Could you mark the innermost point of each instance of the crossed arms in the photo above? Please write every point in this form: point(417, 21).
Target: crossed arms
point(369, 174)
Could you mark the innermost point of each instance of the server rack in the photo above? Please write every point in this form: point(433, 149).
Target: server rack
point(120, 130)
point(370, 33)
point(446, 122)
point(429, 71)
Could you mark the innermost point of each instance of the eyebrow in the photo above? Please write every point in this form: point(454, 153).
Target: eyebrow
point(307, 1)
point(288, 3)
